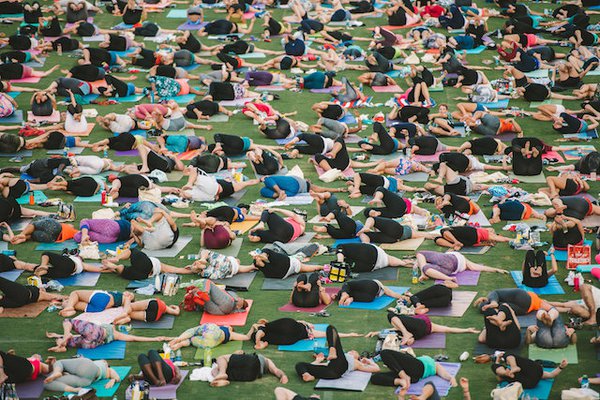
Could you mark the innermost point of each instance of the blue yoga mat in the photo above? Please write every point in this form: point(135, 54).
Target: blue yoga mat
point(14, 94)
point(55, 246)
point(112, 246)
point(498, 104)
point(345, 241)
point(553, 286)
point(101, 391)
point(177, 14)
point(541, 391)
point(191, 67)
point(97, 198)
point(183, 99)
point(587, 268)
point(14, 118)
point(476, 50)
point(88, 98)
point(88, 279)
point(11, 275)
point(348, 119)
point(378, 303)
point(139, 284)
point(134, 98)
point(38, 197)
point(393, 74)
point(122, 25)
point(122, 53)
point(22, 153)
point(111, 351)
point(561, 255)
point(307, 344)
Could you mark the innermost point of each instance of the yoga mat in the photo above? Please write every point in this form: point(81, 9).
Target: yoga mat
point(347, 173)
point(221, 350)
point(553, 154)
point(272, 88)
point(345, 241)
point(556, 355)
point(496, 105)
point(14, 94)
point(72, 150)
point(95, 38)
point(466, 278)
point(218, 118)
point(235, 319)
point(168, 391)
point(442, 386)
point(110, 351)
point(38, 197)
point(87, 279)
point(355, 381)
point(476, 50)
point(582, 150)
point(591, 221)
point(54, 117)
point(580, 268)
point(553, 286)
point(431, 341)
point(541, 178)
point(29, 311)
point(289, 307)
point(233, 249)
point(11, 275)
point(415, 177)
point(427, 158)
point(22, 153)
point(480, 219)
point(279, 284)
point(541, 391)
point(385, 157)
point(461, 300)
point(536, 104)
point(101, 391)
point(297, 200)
point(235, 198)
point(183, 99)
point(527, 319)
point(561, 255)
point(379, 303)
point(139, 284)
point(134, 98)
point(472, 249)
point(31, 79)
point(171, 252)
point(304, 345)
point(15, 118)
point(306, 238)
point(174, 176)
point(127, 153)
point(386, 89)
point(538, 73)
point(236, 103)
point(330, 89)
point(177, 14)
point(122, 26)
point(31, 389)
point(404, 245)
point(348, 119)
point(102, 317)
point(253, 55)
point(166, 322)
point(191, 27)
point(240, 282)
point(97, 198)
point(383, 274)
point(243, 227)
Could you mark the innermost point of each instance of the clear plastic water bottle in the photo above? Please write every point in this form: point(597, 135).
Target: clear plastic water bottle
point(207, 356)
point(65, 151)
point(178, 355)
point(415, 274)
point(585, 382)
point(105, 154)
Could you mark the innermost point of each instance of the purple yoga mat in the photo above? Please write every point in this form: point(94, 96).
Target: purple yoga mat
point(122, 200)
point(167, 391)
point(30, 390)
point(330, 89)
point(431, 341)
point(191, 27)
point(506, 137)
point(442, 385)
point(430, 158)
point(292, 308)
point(466, 278)
point(128, 153)
point(461, 300)
point(588, 196)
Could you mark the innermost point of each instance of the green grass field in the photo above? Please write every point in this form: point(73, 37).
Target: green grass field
point(27, 336)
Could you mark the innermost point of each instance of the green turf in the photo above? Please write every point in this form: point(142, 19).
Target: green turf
point(27, 336)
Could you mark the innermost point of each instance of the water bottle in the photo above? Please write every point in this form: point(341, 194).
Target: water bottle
point(585, 382)
point(178, 355)
point(193, 256)
point(415, 274)
point(207, 356)
point(105, 153)
point(576, 283)
point(315, 346)
point(65, 151)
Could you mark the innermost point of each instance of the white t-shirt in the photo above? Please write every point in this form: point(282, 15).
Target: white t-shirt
point(71, 125)
point(122, 123)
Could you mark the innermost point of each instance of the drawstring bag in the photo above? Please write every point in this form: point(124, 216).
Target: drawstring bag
point(511, 391)
point(339, 271)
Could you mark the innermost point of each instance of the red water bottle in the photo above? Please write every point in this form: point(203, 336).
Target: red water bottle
point(103, 197)
point(576, 283)
point(31, 199)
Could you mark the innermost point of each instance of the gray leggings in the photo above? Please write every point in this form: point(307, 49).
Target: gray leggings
point(489, 125)
point(554, 337)
point(331, 128)
point(349, 95)
point(78, 373)
point(221, 302)
point(183, 58)
point(442, 262)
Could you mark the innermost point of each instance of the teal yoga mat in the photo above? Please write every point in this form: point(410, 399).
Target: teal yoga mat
point(495, 105)
point(38, 197)
point(561, 255)
point(553, 286)
point(101, 391)
point(111, 351)
point(378, 303)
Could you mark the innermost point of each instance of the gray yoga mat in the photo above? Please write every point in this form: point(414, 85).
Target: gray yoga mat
point(234, 249)
point(166, 322)
point(384, 274)
point(279, 284)
point(235, 198)
point(239, 282)
point(415, 177)
point(173, 251)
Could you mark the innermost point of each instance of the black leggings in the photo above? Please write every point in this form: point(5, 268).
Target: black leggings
point(347, 227)
point(362, 255)
point(336, 367)
point(59, 266)
point(497, 339)
point(394, 205)
point(303, 298)
point(18, 369)
point(517, 299)
point(17, 295)
point(86, 186)
point(416, 326)
point(387, 144)
point(341, 160)
point(284, 331)
point(363, 290)
point(390, 231)
point(432, 297)
point(151, 359)
point(279, 229)
point(232, 145)
point(370, 183)
point(397, 361)
point(282, 129)
point(223, 213)
point(314, 144)
point(6, 263)
point(145, 59)
point(140, 268)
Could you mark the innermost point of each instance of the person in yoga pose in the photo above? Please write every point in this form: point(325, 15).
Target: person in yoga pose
point(572, 206)
point(527, 372)
point(394, 206)
point(280, 266)
point(149, 310)
point(457, 237)
point(157, 371)
point(520, 301)
point(280, 229)
point(435, 296)
point(514, 210)
point(15, 295)
point(588, 311)
point(348, 227)
point(337, 362)
point(74, 374)
point(566, 231)
point(242, 367)
point(451, 204)
point(535, 270)
point(309, 292)
point(501, 328)
point(54, 265)
point(566, 184)
point(141, 265)
point(444, 266)
point(363, 290)
point(556, 336)
point(406, 369)
point(369, 184)
point(90, 335)
point(388, 231)
point(206, 336)
point(17, 369)
point(365, 257)
point(94, 301)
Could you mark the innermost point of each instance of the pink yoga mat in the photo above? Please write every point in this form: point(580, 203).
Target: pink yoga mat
point(431, 158)
point(31, 79)
point(348, 172)
point(55, 117)
point(236, 319)
point(553, 154)
point(273, 88)
point(330, 89)
point(292, 308)
point(466, 278)
point(386, 89)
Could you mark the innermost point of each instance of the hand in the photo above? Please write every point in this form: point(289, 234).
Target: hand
point(109, 384)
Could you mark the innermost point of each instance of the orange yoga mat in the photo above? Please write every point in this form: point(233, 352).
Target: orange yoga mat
point(236, 319)
point(243, 227)
point(29, 311)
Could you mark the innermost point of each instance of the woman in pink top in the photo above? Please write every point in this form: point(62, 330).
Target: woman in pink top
point(280, 229)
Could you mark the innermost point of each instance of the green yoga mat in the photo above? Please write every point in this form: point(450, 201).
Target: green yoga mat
point(221, 350)
point(536, 104)
point(556, 355)
point(541, 178)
